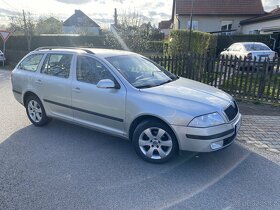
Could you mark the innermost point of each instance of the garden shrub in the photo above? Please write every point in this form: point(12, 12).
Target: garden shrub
point(200, 43)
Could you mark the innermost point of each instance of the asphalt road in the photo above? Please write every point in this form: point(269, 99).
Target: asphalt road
point(62, 166)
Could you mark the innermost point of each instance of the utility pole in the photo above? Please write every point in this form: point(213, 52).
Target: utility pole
point(28, 28)
point(191, 25)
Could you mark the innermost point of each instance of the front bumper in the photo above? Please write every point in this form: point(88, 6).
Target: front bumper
point(207, 139)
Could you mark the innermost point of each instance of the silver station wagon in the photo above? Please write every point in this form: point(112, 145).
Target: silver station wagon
point(126, 95)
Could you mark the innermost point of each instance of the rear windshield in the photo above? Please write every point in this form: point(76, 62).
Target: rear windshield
point(256, 47)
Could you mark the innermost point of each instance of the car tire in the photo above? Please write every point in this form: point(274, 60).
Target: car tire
point(36, 112)
point(154, 141)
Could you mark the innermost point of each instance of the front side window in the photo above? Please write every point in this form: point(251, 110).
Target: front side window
point(57, 65)
point(31, 63)
point(91, 71)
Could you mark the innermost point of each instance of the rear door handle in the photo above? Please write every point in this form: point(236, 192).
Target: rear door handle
point(76, 90)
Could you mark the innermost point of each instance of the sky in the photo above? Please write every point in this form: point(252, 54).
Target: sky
point(99, 10)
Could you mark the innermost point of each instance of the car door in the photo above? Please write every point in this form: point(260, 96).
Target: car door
point(54, 84)
point(99, 108)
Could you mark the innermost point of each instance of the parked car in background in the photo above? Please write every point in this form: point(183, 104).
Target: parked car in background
point(248, 52)
point(2, 56)
point(127, 95)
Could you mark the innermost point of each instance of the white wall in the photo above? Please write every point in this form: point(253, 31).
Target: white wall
point(210, 23)
point(165, 31)
point(81, 30)
point(258, 26)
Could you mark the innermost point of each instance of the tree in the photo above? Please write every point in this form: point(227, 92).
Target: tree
point(132, 32)
point(23, 24)
point(48, 25)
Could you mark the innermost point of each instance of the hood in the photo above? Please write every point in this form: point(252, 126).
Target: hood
point(192, 91)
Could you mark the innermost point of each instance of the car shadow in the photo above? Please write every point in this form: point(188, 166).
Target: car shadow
point(62, 163)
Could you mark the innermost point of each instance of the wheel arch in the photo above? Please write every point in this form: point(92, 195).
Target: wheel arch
point(142, 118)
point(27, 94)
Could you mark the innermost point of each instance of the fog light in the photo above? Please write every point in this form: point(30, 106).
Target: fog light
point(216, 145)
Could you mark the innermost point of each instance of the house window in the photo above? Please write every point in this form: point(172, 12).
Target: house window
point(254, 32)
point(194, 25)
point(226, 25)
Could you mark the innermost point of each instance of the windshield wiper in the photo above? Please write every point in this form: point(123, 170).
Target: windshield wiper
point(144, 86)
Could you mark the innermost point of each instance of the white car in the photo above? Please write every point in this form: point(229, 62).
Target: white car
point(2, 56)
point(249, 51)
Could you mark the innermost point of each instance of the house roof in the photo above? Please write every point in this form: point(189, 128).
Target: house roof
point(218, 7)
point(274, 14)
point(165, 24)
point(80, 19)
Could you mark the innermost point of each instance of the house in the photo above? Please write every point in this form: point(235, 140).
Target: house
point(268, 23)
point(214, 16)
point(80, 23)
point(164, 27)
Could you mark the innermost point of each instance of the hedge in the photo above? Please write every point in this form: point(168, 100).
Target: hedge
point(200, 42)
point(155, 46)
point(20, 42)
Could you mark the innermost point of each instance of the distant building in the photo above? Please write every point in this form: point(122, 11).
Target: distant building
point(80, 23)
point(214, 16)
point(164, 27)
point(264, 24)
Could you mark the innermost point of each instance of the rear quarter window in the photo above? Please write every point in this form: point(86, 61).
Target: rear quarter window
point(31, 62)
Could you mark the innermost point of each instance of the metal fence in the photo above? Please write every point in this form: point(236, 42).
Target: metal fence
point(252, 79)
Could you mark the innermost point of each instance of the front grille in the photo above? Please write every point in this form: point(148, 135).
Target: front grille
point(231, 111)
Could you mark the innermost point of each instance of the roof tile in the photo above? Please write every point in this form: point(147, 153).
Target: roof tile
point(220, 7)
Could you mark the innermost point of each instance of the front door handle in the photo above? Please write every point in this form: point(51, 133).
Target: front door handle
point(76, 90)
point(38, 81)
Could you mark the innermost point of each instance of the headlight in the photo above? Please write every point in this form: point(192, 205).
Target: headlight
point(207, 120)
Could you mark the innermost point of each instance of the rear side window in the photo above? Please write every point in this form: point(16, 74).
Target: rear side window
point(31, 62)
point(57, 65)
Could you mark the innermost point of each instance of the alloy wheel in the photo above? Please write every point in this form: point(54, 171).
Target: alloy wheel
point(155, 143)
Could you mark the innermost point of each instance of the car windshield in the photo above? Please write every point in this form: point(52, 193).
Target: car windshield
point(256, 47)
point(141, 72)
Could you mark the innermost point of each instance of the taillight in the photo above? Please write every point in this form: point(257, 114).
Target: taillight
point(249, 56)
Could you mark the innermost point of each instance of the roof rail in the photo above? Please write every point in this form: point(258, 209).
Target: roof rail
point(61, 47)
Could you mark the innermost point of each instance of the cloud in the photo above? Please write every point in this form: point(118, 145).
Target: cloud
point(4, 12)
point(120, 1)
point(270, 4)
point(161, 14)
point(74, 1)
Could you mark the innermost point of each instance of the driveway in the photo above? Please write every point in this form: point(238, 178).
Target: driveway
point(62, 166)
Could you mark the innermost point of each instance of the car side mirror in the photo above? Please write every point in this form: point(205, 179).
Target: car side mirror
point(106, 83)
